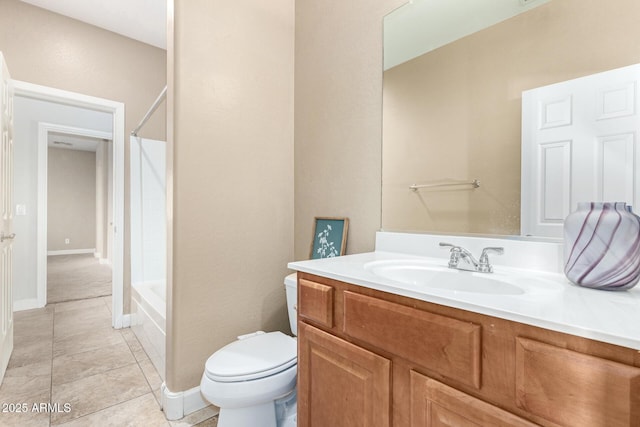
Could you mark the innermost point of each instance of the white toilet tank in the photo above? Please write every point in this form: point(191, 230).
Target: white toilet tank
point(291, 286)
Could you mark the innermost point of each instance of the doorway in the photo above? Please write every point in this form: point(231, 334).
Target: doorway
point(115, 110)
point(78, 212)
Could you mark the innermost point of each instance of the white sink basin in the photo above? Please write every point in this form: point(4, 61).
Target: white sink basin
point(418, 274)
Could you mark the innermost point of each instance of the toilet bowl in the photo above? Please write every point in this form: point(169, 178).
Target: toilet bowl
point(252, 380)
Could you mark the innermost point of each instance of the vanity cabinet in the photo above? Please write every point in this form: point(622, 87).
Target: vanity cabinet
point(370, 358)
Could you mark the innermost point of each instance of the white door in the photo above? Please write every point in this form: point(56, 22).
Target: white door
point(579, 144)
point(6, 217)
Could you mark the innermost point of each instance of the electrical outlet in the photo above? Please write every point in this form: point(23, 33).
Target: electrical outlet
point(67, 241)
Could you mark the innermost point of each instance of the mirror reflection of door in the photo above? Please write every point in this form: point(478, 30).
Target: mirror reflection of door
point(78, 198)
point(579, 145)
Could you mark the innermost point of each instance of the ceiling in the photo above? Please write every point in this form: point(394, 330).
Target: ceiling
point(72, 142)
point(419, 23)
point(424, 25)
point(142, 20)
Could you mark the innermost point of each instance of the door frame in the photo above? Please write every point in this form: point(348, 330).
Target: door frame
point(116, 109)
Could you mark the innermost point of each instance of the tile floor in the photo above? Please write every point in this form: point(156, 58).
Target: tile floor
point(68, 355)
point(72, 277)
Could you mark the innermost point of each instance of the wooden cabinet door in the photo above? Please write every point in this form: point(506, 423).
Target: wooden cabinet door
point(434, 404)
point(339, 383)
point(569, 388)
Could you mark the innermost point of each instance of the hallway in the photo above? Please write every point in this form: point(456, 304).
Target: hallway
point(67, 354)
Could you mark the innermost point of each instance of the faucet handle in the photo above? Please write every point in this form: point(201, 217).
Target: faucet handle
point(449, 245)
point(483, 263)
point(455, 253)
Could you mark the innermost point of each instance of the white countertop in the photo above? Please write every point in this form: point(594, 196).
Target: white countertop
point(611, 317)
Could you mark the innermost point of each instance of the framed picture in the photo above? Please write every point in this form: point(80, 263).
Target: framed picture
point(329, 237)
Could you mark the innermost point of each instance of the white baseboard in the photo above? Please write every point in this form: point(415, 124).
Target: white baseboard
point(179, 404)
point(26, 304)
point(123, 321)
point(101, 259)
point(126, 320)
point(71, 252)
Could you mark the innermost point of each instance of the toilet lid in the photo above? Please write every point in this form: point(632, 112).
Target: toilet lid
point(251, 358)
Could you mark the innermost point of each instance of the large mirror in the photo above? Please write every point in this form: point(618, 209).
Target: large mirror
point(453, 100)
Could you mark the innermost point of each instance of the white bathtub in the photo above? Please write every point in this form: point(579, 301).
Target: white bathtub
point(148, 320)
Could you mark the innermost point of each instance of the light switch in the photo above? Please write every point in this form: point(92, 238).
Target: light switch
point(21, 210)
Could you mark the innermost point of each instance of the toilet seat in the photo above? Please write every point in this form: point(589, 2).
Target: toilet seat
point(252, 358)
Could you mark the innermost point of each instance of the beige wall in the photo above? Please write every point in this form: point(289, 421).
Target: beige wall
point(231, 170)
point(456, 112)
point(338, 105)
point(71, 194)
point(52, 50)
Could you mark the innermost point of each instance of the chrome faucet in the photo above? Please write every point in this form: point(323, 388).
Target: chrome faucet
point(462, 259)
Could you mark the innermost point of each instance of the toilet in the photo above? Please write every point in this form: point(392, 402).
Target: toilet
point(253, 379)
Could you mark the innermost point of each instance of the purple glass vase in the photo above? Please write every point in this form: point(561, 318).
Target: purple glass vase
point(602, 246)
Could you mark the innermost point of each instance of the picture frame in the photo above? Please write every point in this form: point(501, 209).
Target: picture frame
point(329, 237)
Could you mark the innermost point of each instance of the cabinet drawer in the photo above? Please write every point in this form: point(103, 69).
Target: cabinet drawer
point(447, 346)
point(575, 389)
point(436, 404)
point(315, 302)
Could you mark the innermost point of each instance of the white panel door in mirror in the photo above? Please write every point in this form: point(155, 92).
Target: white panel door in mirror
point(617, 101)
point(555, 171)
point(555, 112)
point(615, 169)
point(579, 141)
